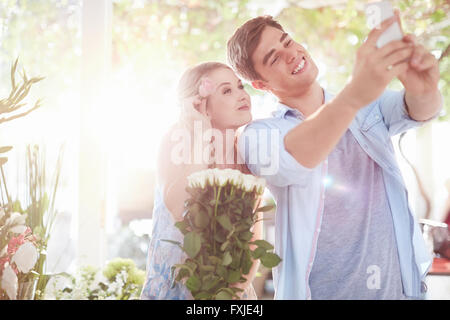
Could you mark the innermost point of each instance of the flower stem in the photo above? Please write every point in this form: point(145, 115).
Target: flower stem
point(215, 215)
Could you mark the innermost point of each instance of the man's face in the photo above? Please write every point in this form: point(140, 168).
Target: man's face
point(284, 64)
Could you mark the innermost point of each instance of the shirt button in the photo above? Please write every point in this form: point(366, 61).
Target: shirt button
point(377, 117)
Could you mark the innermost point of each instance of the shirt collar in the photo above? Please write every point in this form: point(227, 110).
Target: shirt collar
point(283, 109)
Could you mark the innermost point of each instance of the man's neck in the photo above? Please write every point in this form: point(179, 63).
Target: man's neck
point(306, 101)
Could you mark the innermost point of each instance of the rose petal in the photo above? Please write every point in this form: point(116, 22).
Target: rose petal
point(9, 282)
point(25, 258)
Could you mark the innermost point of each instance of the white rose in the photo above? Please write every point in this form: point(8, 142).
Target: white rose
point(9, 282)
point(261, 184)
point(209, 176)
point(221, 177)
point(192, 180)
point(248, 183)
point(232, 175)
point(18, 229)
point(25, 258)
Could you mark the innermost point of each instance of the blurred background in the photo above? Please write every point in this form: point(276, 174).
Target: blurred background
point(111, 69)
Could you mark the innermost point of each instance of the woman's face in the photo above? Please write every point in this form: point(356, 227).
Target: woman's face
point(229, 105)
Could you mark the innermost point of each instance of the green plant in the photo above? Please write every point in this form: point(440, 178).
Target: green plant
point(217, 233)
point(10, 209)
point(41, 212)
point(9, 105)
point(120, 279)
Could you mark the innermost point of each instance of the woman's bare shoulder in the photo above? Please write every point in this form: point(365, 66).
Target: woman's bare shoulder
point(167, 165)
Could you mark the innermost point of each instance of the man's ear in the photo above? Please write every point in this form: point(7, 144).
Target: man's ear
point(260, 85)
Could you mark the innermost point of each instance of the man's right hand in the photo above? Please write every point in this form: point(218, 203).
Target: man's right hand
point(376, 67)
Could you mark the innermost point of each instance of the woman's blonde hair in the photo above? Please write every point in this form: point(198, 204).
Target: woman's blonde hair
point(190, 80)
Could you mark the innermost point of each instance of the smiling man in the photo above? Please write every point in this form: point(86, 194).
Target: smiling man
point(343, 226)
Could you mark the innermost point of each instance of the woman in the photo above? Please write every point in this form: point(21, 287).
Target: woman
point(211, 97)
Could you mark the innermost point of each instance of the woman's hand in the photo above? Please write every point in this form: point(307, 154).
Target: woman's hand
point(194, 113)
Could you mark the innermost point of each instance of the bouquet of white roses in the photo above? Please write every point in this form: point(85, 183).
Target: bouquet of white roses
point(220, 214)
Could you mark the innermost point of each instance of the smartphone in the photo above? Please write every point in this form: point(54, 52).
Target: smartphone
point(377, 12)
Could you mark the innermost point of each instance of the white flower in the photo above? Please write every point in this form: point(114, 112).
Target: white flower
point(197, 179)
point(18, 229)
point(209, 176)
point(98, 278)
point(25, 258)
point(9, 282)
point(233, 176)
point(221, 177)
point(261, 184)
point(248, 183)
point(16, 219)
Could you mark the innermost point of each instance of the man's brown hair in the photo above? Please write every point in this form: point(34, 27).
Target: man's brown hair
point(243, 43)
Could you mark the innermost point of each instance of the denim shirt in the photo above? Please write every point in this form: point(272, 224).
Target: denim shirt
point(299, 191)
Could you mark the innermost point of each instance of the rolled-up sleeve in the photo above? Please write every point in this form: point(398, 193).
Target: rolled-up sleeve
point(396, 118)
point(261, 145)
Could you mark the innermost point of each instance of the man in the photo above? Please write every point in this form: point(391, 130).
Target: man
point(343, 226)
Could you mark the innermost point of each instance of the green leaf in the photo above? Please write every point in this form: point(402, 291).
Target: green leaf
point(233, 276)
point(224, 245)
point(258, 253)
point(233, 229)
point(266, 208)
point(219, 237)
point(171, 241)
point(223, 295)
point(207, 268)
point(192, 244)
point(182, 226)
point(185, 271)
point(5, 149)
point(246, 262)
point(262, 244)
point(201, 219)
point(215, 260)
point(227, 259)
point(209, 282)
point(236, 259)
point(202, 295)
point(270, 260)
point(193, 283)
point(222, 272)
point(246, 236)
point(225, 222)
point(239, 243)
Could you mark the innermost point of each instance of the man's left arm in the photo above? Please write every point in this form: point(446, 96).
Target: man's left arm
point(423, 108)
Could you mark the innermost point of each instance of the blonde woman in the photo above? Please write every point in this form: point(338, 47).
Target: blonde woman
point(211, 97)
